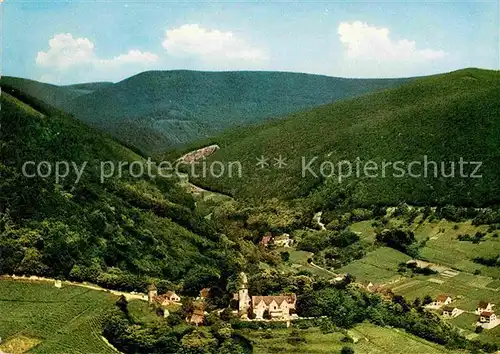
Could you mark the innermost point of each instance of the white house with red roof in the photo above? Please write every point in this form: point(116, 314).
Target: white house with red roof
point(488, 320)
point(484, 306)
point(439, 301)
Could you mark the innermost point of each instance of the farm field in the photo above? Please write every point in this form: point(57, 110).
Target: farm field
point(364, 229)
point(444, 247)
point(369, 339)
point(378, 266)
point(38, 317)
point(466, 294)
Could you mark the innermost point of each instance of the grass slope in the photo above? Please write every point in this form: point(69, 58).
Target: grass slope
point(444, 117)
point(155, 110)
point(65, 320)
point(370, 339)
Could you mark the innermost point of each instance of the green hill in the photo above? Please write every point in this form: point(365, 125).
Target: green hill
point(118, 232)
point(89, 87)
point(156, 110)
point(53, 95)
point(445, 117)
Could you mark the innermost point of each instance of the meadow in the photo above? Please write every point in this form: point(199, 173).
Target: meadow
point(464, 280)
point(41, 318)
point(368, 339)
point(378, 266)
point(443, 246)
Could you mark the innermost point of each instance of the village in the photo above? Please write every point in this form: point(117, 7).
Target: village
point(283, 307)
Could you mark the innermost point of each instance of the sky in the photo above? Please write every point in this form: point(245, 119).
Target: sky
point(65, 42)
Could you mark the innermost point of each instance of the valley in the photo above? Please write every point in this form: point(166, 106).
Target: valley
point(362, 259)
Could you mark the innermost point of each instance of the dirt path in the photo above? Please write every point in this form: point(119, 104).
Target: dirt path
point(109, 344)
point(317, 219)
point(324, 269)
point(128, 296)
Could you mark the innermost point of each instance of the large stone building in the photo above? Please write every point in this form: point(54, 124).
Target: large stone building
point(278, 307)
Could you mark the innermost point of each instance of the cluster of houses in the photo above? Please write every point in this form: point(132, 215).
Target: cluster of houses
point(443, 304)
point(171, 298)
point(278, 307)
point(282, 307)
point(386, 293)
point(166, 299)
point(487, 318)
point(282, 240)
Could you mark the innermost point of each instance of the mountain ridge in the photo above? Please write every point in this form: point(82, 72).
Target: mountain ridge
point(157, 110)
point(405, 123)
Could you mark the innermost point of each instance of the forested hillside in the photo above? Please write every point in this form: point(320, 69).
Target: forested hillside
point(444, 117)
point(120, 233)
point(57, 96)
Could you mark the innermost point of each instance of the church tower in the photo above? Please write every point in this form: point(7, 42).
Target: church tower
point(152, 293)
point(243, 297)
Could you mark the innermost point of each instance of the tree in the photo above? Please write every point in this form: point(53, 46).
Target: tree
point(251, 315)
point(427, 300)
point(122, 304)
point(226, 315)
point(398, 239)
point(327, 326)
point(285, 256)
point(347, 350)
point(230, 347)
point(198, 341)
point(266, 315)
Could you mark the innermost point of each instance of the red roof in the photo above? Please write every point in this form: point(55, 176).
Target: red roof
point(161, 298)
point(483, 304)
point(290, 298)
point(487, 313)
point(265, 240)
point(442, 297)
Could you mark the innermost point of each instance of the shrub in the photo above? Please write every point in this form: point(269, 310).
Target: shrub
point(347, 350)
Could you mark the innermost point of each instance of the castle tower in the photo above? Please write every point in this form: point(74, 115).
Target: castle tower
point(152, 292)
point(243, 297)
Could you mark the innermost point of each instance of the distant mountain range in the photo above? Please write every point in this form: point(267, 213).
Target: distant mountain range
point(157, 110)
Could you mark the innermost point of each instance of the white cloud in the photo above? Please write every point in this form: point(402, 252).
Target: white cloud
point(365, 42)
point(132, 57)
point(210, 45)
point(66, 51)
point(69, 57)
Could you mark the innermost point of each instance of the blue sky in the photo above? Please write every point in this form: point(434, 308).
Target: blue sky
point(80, 41)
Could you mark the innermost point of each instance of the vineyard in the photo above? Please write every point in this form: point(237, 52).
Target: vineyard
point(65, 320)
